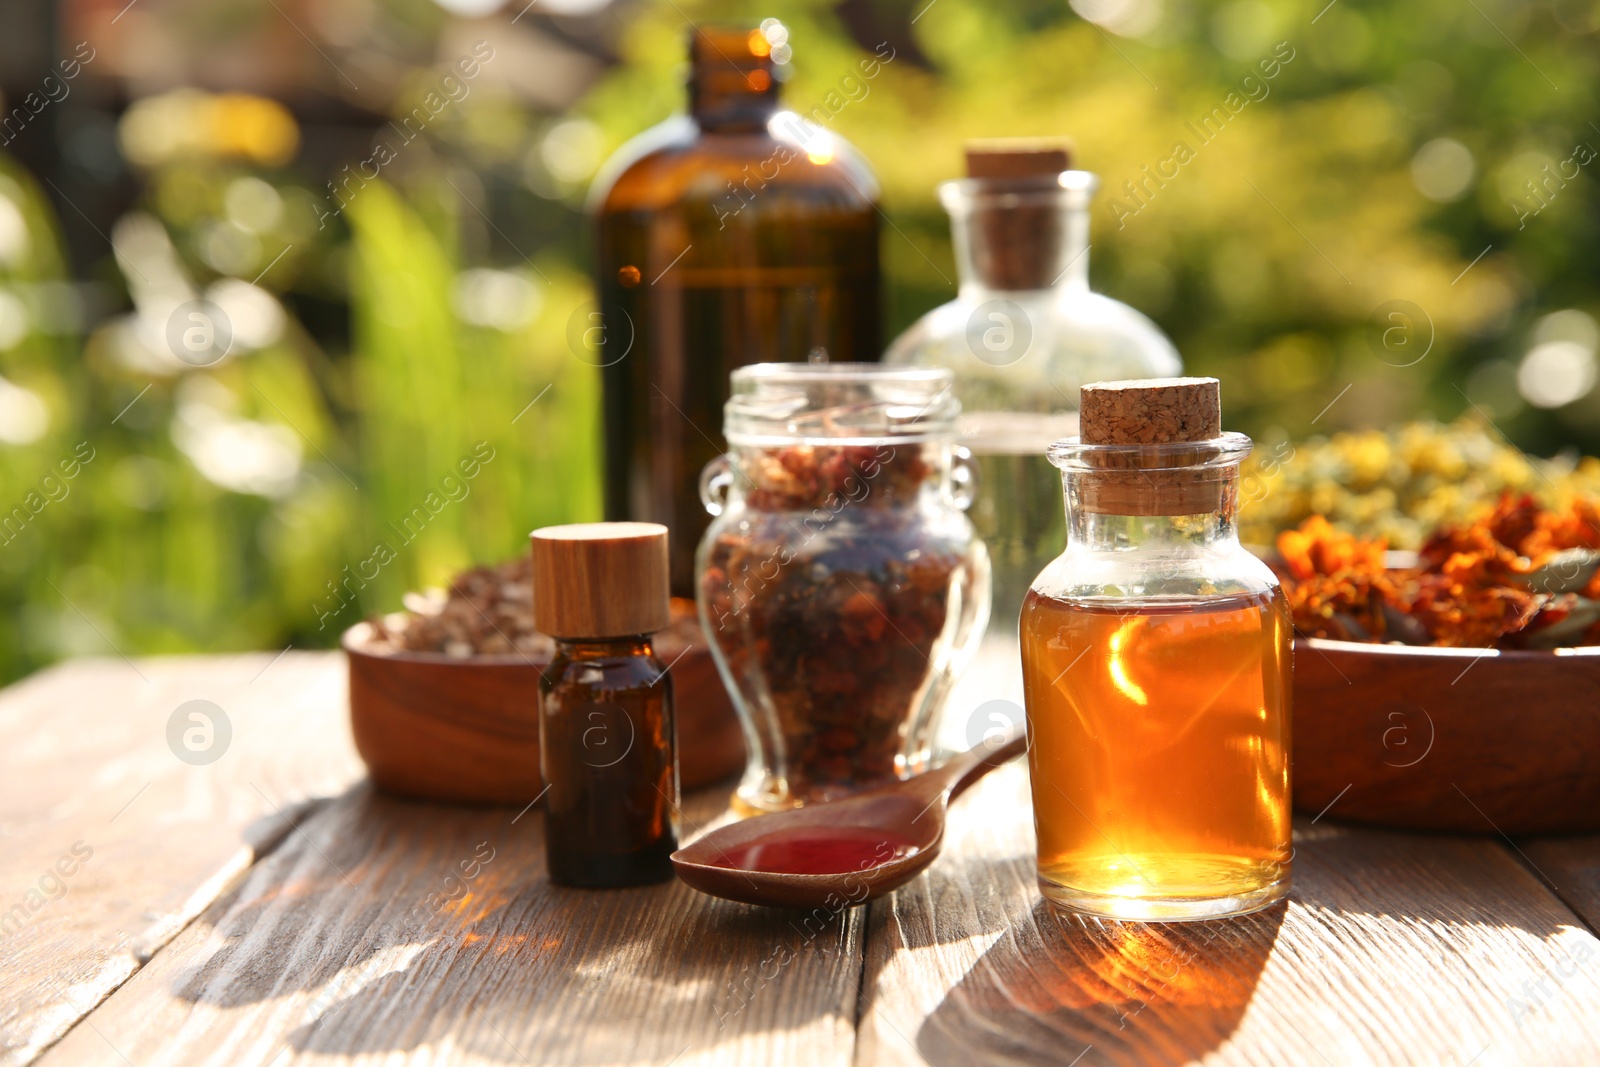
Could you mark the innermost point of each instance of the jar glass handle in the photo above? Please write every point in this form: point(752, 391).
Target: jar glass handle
point(963, 478)
point(715, 481)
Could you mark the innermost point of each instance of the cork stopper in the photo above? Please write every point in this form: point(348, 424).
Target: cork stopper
point(600, 579)
point(1018, 157)
point(1019, 236)
point(1152, 411)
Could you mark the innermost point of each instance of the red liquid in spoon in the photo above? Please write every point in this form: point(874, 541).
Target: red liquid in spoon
point(815, 850)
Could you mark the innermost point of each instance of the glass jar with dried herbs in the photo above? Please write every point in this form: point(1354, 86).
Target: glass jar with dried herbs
point(841, 585)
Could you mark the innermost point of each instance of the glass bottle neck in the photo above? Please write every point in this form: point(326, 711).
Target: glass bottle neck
point(716, 109)
point(1012, 237)
point(732, 87)
point(1096, 531)
point(582, 648)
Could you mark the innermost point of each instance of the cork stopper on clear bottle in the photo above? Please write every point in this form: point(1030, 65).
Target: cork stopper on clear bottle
point(1164, 425)
point(1156, 659)
point(1020, 236)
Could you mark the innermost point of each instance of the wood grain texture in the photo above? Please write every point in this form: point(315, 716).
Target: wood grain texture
point(435, 727)
point(600, 579)
point(1392, 949)
point(112, 843)
point(344, 945)
point(375, 930)
point(1472, 740)
point(1572, 867)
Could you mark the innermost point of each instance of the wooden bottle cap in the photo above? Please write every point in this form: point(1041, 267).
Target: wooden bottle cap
point(1152, 411)
point(600, 579)
point(1018, 157)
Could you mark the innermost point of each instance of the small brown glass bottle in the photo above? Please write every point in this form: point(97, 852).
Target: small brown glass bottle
point(739, 233)
point(606, 735)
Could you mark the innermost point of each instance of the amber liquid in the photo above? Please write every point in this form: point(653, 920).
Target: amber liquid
point(664, 401)
point(1159, 753)
point(721, 246)
point(608, 756)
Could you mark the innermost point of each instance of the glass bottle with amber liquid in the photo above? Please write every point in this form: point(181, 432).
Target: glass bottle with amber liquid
point(607, 749)
point(1156, 668)
point(739, 233)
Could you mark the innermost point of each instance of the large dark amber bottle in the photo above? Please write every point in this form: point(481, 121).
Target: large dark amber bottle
point(739, 233)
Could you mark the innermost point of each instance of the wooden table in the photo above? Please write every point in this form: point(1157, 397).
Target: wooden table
point(270, 908)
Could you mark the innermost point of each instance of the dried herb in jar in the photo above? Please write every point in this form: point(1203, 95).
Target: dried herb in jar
point(830, 598)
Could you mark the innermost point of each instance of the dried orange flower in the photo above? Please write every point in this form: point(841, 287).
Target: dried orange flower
point(1523, 576)
point(1318, 548)
point(1336, 584)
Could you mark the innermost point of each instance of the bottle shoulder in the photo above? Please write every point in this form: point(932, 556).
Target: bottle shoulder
point(1080, 573)
point(593, 676)
point(678, 161)
point(641, 157)
point(1032, 350)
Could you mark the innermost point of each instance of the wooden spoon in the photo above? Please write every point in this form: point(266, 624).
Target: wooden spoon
point(839, 854)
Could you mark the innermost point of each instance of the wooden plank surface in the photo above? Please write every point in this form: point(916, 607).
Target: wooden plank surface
point(361, 929)
point(1572, 866)
point(343, 945)
point(1393, 948)
point(112, 842)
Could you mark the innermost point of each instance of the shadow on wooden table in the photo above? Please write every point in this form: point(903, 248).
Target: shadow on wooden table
point(1369, 914)
point(385, 925)
point(1056, 984)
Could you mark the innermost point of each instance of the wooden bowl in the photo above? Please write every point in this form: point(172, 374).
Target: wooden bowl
point(1461, 739)
point(437, 727)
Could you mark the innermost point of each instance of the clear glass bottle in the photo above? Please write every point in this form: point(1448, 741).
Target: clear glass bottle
point(1156, 663)
point(1024, 332)
point(738, 233)
point(841, 586)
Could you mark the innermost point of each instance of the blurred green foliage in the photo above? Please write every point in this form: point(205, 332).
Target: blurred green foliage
point(438, 441)
point(244, 505)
